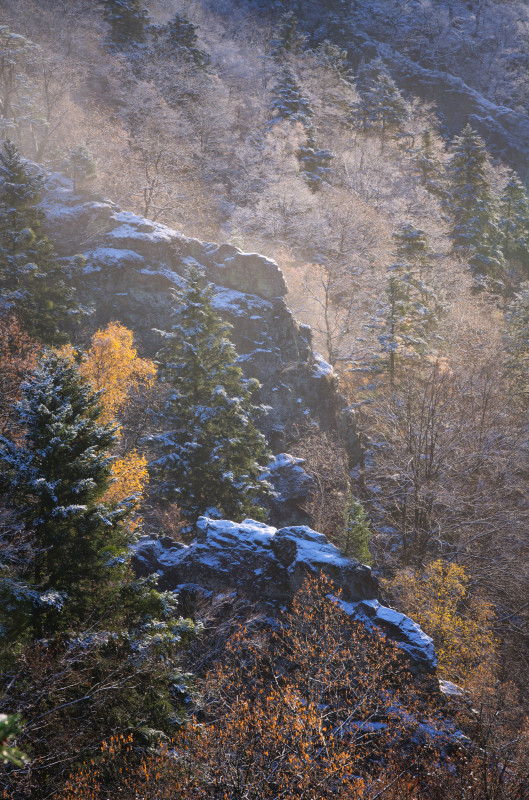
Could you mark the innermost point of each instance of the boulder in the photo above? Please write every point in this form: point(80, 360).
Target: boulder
point(269, 565)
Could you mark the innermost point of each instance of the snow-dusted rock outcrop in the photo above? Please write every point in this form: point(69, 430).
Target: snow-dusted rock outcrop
point(133, 263)
point(292, 487)
point(267, 564)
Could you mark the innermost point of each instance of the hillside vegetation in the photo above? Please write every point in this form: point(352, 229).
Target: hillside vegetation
point(284, 129)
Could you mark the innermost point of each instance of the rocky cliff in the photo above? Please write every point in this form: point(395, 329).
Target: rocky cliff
point(131, 266)
point(268, 566)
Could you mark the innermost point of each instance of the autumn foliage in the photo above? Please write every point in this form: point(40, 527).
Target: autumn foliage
point(300, 709)
point(113, 366)
point(438, 598)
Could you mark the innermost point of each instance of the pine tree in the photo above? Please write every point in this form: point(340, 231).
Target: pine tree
point(356, 531)
point(32, 280)
point(429, 166)
point(54, 480)
point(183, 39)
point(80, 166)
point(212, 455)
point(471, 205)
point(410, 310)
point(127, 19)
point(381, 103)
point(288, 102)
point(514, 222)
point(315, 163)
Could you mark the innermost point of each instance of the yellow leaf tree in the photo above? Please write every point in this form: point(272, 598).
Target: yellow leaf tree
point(112, 366)
point(460, 625)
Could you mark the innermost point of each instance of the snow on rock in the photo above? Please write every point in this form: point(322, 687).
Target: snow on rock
point(247, 272)
point(270, 565)
point(253, 557)
point(239, 304)
point(291, 484)
point(321, 368)
point(403, 630)
point(113, 258)
point(133, 263)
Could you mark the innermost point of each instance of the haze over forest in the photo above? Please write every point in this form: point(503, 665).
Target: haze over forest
point(264, 378)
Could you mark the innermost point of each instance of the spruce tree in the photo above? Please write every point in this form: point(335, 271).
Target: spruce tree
point(127, 19)
point(111, 641)
point(381, 103)
point(54, 479)
point(315, 163)
point(514, 222)
point(211, 453)
point(389, 107)
point(18, 89)
point(80, 166)
point(183, 39)
point(356, 531)
point(335, 59)
point(288, 102)
point(410, 309)
point(288, 39)
point(429, 166)
point(32, 280)
point(471, 206)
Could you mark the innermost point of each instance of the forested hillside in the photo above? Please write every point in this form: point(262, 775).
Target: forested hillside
point(264, 352)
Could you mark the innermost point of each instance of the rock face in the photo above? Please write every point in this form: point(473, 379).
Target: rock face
point(270, 565)
point(131, 266)
point(292, 487)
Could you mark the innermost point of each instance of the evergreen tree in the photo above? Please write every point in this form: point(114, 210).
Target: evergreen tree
point(381, 103)
point(32, 280)
point(389, 107)
point(183, 39)
point(471, 205)
point(127, 19)
point(315, 163)
point(336, 59)
point(212, 455)
point(17, 88)
point(288, 38)
point(514, 222)
point(410, 310)
point(80, 166)
point(109, 656)
point(288, 102)
point(54, 480)
point(356, 531)
point(429, 166)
